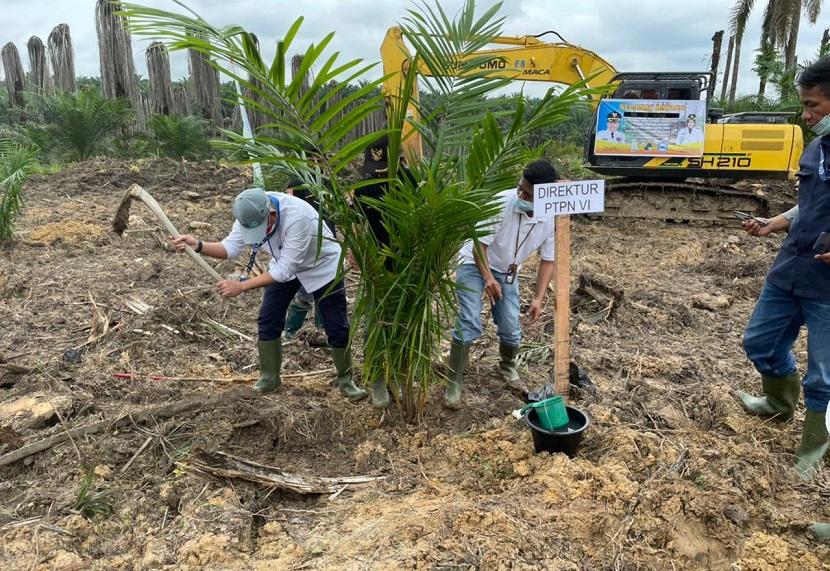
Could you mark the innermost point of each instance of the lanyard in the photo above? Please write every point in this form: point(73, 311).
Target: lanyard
point(519, 245)
point(266, 240)
point(822, 169)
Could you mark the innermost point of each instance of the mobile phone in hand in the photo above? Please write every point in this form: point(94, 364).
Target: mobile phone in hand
point(746, 216)
point(822, 243)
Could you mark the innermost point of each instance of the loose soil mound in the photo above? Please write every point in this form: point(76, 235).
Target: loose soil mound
point(671, 475)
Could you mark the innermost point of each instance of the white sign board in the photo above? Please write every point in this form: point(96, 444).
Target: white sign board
point(572, 197)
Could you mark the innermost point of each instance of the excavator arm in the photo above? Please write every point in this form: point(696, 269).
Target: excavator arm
point(759, 147)
point(528, 59)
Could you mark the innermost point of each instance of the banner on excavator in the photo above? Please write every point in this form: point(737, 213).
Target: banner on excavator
point(650, 128)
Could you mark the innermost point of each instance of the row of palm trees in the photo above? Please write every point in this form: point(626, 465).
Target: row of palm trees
point(779, 31)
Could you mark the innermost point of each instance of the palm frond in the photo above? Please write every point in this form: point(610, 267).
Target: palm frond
point(812, 9)
point(16, 164)
point(739, 15)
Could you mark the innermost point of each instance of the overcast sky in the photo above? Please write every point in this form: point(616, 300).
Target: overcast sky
point(633, 35)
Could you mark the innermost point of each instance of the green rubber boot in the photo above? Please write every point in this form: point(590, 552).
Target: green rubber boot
point(821, 531)
point(343, 363)
point(380, 395)
point(458, 360)
point(318, 318)
point(507, 366)
point(813, 447)
point(294, 320)
point(780, 397)
point(270, 361)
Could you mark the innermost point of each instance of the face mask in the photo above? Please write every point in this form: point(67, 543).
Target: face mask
point(822, 128)
point(524, 205)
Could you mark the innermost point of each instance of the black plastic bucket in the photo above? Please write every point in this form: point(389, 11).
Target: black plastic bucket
point(565, 439)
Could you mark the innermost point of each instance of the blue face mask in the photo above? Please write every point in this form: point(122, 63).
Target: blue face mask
point(822, 128)
point(524, 205)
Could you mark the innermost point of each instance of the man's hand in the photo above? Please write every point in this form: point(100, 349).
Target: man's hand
point(776, 224)
point(824, 257)
point(535, 310)
point(755, 228)
point(182, 241)
point(493, 289)
point(229, 288)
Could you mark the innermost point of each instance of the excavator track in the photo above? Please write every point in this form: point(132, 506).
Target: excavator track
point(680, 201)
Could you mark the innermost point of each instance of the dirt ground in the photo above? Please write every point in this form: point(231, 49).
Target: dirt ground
point(671, 474)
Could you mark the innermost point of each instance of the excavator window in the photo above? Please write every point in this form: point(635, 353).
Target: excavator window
point(680, 93)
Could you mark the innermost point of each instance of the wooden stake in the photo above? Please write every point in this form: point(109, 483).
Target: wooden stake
point(562, 332)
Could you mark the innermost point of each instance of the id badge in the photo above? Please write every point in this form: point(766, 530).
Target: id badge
point(510, 277)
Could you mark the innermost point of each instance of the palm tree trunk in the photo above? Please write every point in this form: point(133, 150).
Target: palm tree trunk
point(717, 42)
point(41, 80)
point(158, 70)
point(789, 50)
point(736, 65)
point(62, 57)
point(725, 85)
point(15, 76)
point(762, 88)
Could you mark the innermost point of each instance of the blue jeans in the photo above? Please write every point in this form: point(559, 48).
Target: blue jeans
point(470, 287)
point(332, 306)
point(772, 331)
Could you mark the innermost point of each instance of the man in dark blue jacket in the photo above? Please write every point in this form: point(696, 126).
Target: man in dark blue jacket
point(797, 291)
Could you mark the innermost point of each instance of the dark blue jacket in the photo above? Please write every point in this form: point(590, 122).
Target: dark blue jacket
point(795, 269)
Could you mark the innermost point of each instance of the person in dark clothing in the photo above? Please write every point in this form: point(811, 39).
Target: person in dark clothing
point(303, 301)
point(797, 290)
point(376, 169)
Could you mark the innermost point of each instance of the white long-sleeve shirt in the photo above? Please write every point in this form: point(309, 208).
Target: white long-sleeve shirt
point(293, 247)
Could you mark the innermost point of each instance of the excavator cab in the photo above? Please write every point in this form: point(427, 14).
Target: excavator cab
point(685, 86)
point(751, 146)
point(754, 145)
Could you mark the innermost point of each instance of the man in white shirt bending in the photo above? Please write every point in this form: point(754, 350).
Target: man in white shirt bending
point(287, 228)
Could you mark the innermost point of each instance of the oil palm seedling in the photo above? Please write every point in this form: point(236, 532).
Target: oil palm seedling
point(16, 164)
point(444, 197)
point(180, 137)
point(82, 124)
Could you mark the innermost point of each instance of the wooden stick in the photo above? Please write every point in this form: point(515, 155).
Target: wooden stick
point(137, 453)
point(221, 465)
point(136, 416)
point(136, 377)
point(122, 216)
point(562, 331)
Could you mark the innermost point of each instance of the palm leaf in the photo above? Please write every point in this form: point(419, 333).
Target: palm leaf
point(406, 290)
point(16, 164)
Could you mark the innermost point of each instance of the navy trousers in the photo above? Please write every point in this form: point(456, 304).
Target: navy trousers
point(331, 299)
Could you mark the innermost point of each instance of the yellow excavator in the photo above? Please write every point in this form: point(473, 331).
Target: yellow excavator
point(738, 147)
